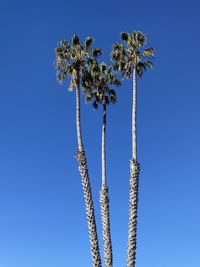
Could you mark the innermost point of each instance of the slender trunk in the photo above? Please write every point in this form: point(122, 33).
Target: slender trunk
point(78, 116)
point(103, 151)
point(134, 184)
point(96, 259)
point(134, 117)
point(104, 200)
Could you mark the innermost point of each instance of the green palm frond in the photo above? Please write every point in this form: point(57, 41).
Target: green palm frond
point(127, 72)
point(116, 46)
point(113, 97)
point(117, 82)
point(87, 80)
point(75, 40)
point(116, 66)
point(88, 43)
point(139, 69)
point(117, 52)
point(89, 96)
point(149, 64)
point(103, 67)
point(124, 36)
point(139, 39)
point(141, 65)
point(64, 45)
point(96, 52)
point(149, 52)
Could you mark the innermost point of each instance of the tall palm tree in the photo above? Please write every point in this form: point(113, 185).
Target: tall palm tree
point(71, 61)
point(131, 60)
point(98, 90)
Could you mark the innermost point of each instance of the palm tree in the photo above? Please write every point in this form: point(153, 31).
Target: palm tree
point(71, 61)
point(98, 90)
point(131, 60)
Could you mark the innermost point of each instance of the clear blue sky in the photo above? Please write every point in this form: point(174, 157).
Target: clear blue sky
point(42, 213)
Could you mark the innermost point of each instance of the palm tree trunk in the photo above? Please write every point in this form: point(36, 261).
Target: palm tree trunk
point(78, 116)
point(96, 259)
point(134, 117)
point(134, 184)
point(104, 200)
point(103, 151)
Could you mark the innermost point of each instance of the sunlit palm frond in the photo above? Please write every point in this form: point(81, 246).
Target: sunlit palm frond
point(149, 52)
point(88, 43)
point(139, 39)
point(103, 67)
point(75, 40)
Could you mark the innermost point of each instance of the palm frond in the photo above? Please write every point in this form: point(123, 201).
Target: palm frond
point(89, 96)
point(117, 52)
point(149, 64)
point(112, 95)
point(141, 65)
point(88, 43)
point(139, 38)
point(103, 67)
point(75, 40)
point(95, 104)
point(116, 46)
point(139, 70)
point(96, 52)
point(116, 66)
point(124, 36)
point(117, 82)
point(87, 81)
point(64, 44)
point(149, 52)
point(127, 72)
point(72, 84)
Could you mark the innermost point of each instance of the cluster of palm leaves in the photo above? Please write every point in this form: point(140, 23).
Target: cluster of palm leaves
point(80, 62)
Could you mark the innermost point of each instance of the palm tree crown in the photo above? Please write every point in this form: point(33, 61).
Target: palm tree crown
point(132, 56)
point(71, 60)
point(98, 83)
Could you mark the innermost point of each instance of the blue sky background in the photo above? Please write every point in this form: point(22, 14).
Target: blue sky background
point(42, 213)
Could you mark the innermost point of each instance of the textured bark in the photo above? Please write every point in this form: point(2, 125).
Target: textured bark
point(105, 217)
point(104, 201)
point(134, 183)
point(133, 208)
point(96, 259)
